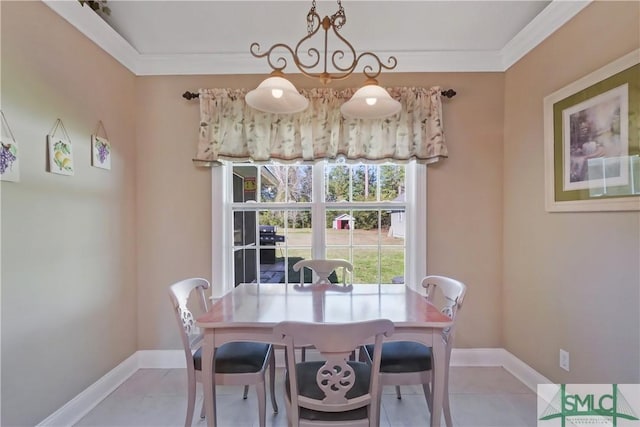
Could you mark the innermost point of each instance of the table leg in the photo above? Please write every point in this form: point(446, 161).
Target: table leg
point(208, 380)
point(439, 361)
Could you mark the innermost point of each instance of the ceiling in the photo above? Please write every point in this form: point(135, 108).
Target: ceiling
point(213, 37)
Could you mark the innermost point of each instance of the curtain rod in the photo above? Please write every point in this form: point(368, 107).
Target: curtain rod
point(448, 93)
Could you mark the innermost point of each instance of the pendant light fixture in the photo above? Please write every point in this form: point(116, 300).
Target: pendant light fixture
point(277, 95)
point(370, 102)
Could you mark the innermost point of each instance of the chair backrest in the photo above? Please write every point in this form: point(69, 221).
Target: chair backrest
point(452, 292)
point(323, 269)
point(179, 293)
point(335, 377)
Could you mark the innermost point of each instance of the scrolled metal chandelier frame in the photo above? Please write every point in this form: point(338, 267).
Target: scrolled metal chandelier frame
point(277, 95)
point(314, 23)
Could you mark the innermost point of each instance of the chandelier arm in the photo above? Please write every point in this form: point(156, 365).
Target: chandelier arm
point(314, 54)
point(340, 53)
point(369, 69)
point(255, 49)
point(314, 19)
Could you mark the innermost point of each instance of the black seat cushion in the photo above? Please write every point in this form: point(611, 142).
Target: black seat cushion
point(236, 357)
point(307, 386)
point(403, 356)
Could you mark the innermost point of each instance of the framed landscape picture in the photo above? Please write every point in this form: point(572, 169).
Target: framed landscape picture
point(592, 140)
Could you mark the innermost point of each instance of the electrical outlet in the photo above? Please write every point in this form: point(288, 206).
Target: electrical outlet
point(564, 360)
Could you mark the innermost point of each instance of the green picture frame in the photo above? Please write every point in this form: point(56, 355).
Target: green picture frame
point(592, 141)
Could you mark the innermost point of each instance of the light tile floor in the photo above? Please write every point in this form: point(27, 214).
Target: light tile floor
point(480, 397)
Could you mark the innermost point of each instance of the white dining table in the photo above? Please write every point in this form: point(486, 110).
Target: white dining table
point(250, 311)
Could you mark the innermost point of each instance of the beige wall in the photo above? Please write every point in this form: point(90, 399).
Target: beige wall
point(78, 250)
point(571, 280)
point(68, 242)
point(464, 197)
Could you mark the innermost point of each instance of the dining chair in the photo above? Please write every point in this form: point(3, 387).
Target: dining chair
point(235, 363)
point(322, 268)
point(333, 390)
point(409, 363)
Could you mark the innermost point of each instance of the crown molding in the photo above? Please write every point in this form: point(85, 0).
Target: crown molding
point(244, 63)
point(97, 30)
point(556, 14)
point(552, 17)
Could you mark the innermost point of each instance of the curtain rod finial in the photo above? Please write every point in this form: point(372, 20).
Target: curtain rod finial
point(190, 95)
point(449, 93)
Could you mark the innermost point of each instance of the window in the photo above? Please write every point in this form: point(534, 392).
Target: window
point(267, 217)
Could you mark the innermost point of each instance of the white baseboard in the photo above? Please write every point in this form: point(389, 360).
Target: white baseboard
point(79, 406)
point(525, 373)
point(161, 359)
point(476, 357)
point(499, 357)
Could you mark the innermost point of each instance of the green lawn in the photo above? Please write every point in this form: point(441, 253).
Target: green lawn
point(364, 258)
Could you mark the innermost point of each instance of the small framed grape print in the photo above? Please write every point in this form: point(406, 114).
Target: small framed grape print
point(9, 161)
point(9, 157)
point(100, 152)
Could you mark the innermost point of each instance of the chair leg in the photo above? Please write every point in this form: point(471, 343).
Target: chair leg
point(427, 395)
point(272, 381)
point(202, 411)
point(447, 410)
point(377, 411)
point(261, 391)
point(246, 392)
point(191, 401)
point(398, 395)
point(445, 400)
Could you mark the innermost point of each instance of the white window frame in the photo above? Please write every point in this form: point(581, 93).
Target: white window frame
point(222, 220)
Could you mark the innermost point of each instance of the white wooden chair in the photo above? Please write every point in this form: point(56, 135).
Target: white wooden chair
point(409, 363)
point(322, 268)
point(236, 363)
point(334, 390)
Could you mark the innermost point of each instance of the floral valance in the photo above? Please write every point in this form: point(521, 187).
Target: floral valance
point(231, 130)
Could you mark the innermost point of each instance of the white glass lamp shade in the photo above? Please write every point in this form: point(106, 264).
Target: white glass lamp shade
point(370, 102)
point(276, 95)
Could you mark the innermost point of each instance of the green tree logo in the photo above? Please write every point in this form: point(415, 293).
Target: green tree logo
point(588, 408)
